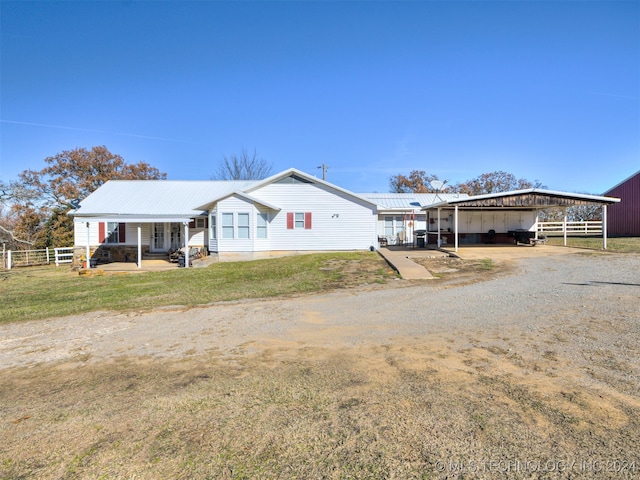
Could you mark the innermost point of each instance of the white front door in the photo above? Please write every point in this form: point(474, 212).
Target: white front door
point(159, 240)
point(176, 236)
point(166, 236)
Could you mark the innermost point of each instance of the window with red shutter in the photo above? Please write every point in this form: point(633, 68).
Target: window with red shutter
point(299, 220)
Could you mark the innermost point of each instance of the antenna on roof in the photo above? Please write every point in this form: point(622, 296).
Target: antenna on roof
point(437, 186)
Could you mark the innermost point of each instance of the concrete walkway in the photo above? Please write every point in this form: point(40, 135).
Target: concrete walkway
point(408, 269)
point(399, 258)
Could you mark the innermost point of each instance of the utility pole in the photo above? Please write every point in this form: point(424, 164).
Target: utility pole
point(324, 171)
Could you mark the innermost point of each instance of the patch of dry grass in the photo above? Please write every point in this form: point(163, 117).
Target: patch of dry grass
point(412, 410)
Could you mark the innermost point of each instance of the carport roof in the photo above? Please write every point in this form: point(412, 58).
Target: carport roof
point(531, 198)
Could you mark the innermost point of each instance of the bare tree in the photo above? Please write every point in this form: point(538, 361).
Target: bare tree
point(242, 166)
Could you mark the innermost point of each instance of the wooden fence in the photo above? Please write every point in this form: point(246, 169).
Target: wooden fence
point(573, 228)
point(29, 258)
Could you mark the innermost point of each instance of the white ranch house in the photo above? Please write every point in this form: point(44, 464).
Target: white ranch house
point(126, 220)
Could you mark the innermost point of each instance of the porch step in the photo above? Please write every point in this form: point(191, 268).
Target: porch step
point(155, 256)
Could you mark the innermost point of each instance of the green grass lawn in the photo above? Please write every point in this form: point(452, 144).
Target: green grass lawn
point(618, 245)
point(42, 292)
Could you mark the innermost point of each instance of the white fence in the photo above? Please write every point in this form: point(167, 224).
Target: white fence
point(573, 228)
point(28, 258)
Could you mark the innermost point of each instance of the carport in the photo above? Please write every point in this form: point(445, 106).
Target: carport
point(483, 218)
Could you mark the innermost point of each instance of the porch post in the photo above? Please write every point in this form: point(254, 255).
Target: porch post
point(186, 244)
point(88, 255)
point(564, 226)
point(537, 222)
point(439, 244)
point(604, 226)
point(455, 226)
point(139, 246)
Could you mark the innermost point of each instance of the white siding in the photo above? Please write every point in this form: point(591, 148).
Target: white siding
point(80, 234)
point(339, 221)
point(131, 234)
point(235, 205)
point(197, 237)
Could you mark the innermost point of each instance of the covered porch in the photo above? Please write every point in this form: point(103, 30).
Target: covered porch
point(128, 240)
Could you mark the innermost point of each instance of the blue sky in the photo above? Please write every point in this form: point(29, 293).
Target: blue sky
point(546, 90)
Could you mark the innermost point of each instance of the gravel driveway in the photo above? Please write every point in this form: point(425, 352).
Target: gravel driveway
point(587, 305)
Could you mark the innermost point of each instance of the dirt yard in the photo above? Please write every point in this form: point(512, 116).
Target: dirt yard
point(532, 372)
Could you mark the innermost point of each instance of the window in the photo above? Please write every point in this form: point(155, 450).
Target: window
point(212, 222)
point(393, 226)
point(200, 223)
point(243, 225)
point(262, 225)
point(299, 220)
point(227, 225)
point(112, 232)
point(388, 226)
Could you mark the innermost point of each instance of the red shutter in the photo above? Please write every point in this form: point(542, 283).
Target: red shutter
point(307, 220)
point(289, 220)
point(122, 232)
point(206, 222)
point(192, 224)
point(101, 230)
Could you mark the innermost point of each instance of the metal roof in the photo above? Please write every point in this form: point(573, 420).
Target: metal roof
point(410, 201)
point(527, 198)
point(155, 197)
point(174, 198)
point(251, 198)
point(294, 171)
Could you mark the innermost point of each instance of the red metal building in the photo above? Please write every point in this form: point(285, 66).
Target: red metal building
point(624, 218)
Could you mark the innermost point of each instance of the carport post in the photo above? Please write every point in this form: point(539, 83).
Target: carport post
point(186, 244)
point(604, 226)
point(139, 246)
point(439, 242)
point(455, 226)
point(564, 226)
point(88, 256)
